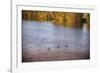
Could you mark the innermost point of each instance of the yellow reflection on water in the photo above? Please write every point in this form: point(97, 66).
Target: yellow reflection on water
point(65, 19)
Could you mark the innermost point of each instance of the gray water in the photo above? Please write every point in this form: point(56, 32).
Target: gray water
point(39, 35)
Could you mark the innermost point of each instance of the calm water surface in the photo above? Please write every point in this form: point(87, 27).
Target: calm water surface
point(38, 35)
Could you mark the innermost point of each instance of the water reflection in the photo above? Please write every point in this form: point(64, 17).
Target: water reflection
point(38, 35)
point(65, 19)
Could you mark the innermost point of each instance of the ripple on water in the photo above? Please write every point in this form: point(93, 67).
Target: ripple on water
point(39, 35)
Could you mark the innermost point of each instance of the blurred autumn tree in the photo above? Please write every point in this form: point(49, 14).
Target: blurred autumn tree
point(66, 19)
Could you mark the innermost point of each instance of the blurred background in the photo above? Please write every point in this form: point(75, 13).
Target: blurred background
point(66, 19)
point(52, 36)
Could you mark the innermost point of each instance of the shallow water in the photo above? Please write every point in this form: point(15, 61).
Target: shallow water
point(39, 35)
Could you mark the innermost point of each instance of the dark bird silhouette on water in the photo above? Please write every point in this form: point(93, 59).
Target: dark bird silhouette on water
point(66, 45)
point(48, 48)
point(58, 47)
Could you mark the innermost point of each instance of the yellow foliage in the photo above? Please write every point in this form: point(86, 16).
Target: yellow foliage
point(66, 19)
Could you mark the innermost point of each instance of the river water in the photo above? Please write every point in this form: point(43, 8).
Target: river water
point(39, 35)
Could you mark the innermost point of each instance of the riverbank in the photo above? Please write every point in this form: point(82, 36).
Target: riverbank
point(54, 54)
